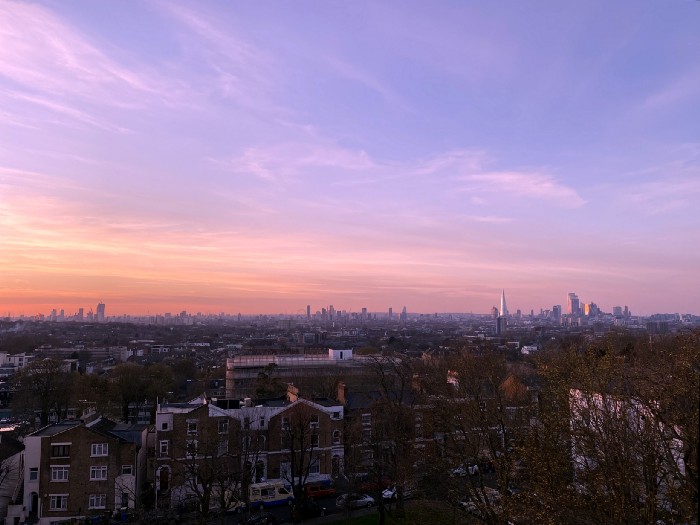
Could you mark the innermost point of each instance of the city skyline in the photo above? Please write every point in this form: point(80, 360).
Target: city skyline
point(258, 158)
point(329, 310)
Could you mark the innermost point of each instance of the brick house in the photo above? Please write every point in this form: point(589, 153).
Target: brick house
point(251, 440)
point(74, 469)
point(197, 450)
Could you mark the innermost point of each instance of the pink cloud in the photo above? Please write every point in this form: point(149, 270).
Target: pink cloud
point(523, 185)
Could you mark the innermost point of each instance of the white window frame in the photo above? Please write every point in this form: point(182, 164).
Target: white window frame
point(314, 466)
point(127, 470)
point(285, 469)
point(192, 427)
point(99, 449)
point(285, 423)
point(97, 501)
point(98, 473)
point(59, 473)
point(58, 502)
point(33, 473)
point(336, 437)
point(223, 426)
point(164, 448)
point(314, 422)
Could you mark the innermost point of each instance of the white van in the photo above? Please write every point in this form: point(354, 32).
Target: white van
point(270, 493)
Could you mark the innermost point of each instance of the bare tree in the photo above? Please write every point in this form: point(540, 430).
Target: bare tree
point(384, 437)
point(479, 409)
point(44, 387)
point(299, 428)
point(215, 466)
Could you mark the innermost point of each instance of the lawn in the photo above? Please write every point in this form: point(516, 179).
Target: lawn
point(417, 513)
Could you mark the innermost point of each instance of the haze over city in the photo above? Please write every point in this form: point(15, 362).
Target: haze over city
point(259, 157)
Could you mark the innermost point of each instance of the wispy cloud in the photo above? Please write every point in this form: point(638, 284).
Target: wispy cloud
point(238, 70)
point(62, 70)
point(495, 219)
point(73, 113)
point(294, 160)
point(453, 162)
point(667, 195)
point(357, 74)
point(523, 185)
point(676, 91)
point(662, 188)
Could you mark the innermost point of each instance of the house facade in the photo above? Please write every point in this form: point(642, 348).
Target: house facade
point(76, 470)
point(244, 442)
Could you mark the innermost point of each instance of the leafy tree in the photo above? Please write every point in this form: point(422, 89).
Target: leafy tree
point(479, 410)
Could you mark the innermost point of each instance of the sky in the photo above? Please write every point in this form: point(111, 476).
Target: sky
point(257, 157)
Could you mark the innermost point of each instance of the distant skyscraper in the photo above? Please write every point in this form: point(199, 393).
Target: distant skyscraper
point(308, 312)
point(364, 314)
point(494, 312)
point(572, 304)
point(100, 312)
point(501, 325)
point(617, 311)
point(391, 313)
point(502, 319)
point(556, 311)
point(404, 315)
point(503, 312)
point(80, 314)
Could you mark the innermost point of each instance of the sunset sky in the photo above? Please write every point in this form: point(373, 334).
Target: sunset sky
point(257, 157)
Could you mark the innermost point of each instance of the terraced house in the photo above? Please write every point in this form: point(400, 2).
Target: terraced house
point(76, 469)
point(208, 449)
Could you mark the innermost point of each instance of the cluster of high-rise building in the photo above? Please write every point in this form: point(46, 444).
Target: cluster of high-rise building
point(80, 316)
point(573, 311)
point(330, 314)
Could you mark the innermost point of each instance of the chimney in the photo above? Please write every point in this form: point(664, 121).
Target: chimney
point(341, 393)
point(247, 402)
point(292, 393)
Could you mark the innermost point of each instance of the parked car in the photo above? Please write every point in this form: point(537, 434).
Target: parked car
point(310, 509)
point(317, 490)
point(468, 469)
point(354, 501)
point(262, 517)
point(391, 493)
point(236, 507)
point(189, 503)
